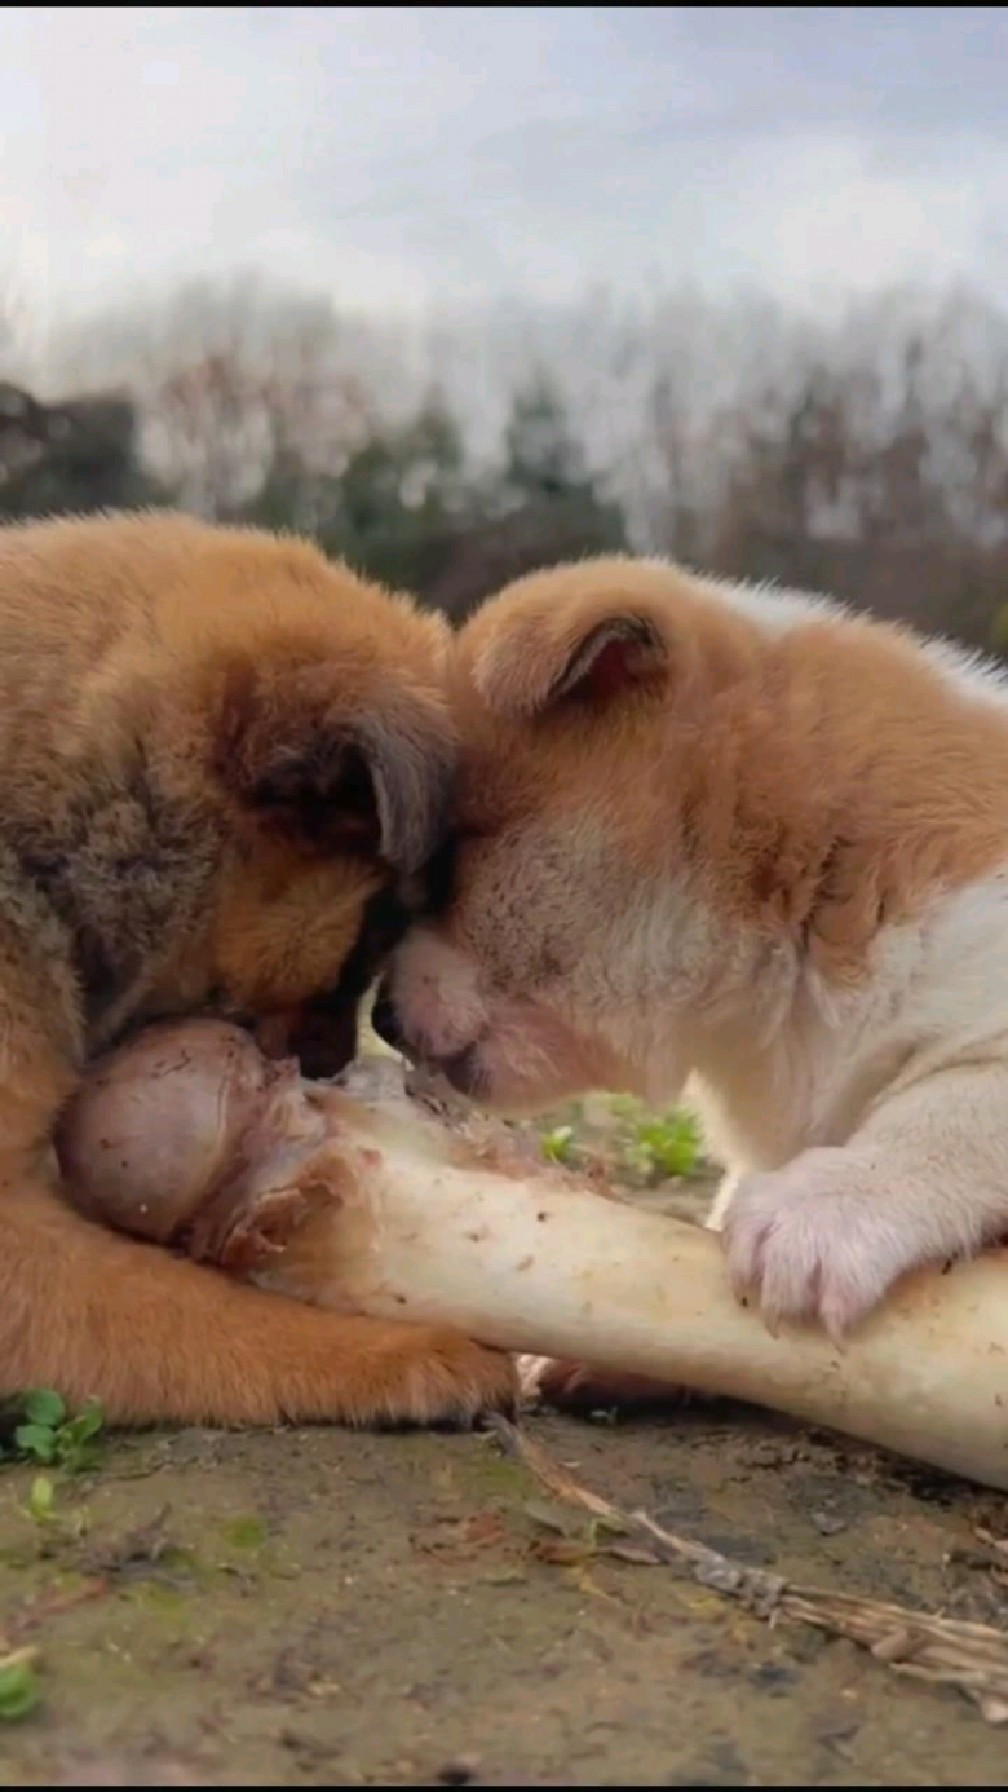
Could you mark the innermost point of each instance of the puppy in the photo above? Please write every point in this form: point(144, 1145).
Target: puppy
point(745, 840)
point(220, 759)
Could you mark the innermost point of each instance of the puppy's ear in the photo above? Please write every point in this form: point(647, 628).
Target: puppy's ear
point(612, 656)
point(335, 778)
point(528, 663)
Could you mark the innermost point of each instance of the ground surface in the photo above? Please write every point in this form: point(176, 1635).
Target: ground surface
point(315, 1608)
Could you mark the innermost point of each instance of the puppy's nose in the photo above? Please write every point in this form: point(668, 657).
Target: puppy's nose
point(385, 1019)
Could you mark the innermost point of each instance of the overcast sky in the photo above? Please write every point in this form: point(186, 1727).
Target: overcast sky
point(397, 156)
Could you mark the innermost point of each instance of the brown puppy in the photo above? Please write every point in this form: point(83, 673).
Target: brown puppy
point(740, 836)
point(219, 755)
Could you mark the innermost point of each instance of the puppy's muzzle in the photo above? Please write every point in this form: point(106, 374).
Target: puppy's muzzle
point(462, 1070)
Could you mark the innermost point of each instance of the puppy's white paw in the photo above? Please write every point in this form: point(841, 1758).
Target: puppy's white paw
point(818, 1239)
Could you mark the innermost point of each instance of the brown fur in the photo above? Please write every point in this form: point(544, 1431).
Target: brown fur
point(698, 835)
point(634, 744)
point(811, 805)
point(217, 751)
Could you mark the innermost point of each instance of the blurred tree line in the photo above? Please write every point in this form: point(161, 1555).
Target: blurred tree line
point(868, 459)
point(403, 507)
point(79, 455)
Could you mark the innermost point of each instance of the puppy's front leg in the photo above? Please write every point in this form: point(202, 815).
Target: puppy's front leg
point(925, 1179)
point(157, 1338)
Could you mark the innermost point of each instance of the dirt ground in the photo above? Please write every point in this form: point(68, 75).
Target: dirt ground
point(310, 1607)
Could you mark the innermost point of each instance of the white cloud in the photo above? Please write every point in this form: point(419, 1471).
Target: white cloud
point(395, 155)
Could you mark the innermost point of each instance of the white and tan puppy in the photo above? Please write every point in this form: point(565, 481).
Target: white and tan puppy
point(743, 839)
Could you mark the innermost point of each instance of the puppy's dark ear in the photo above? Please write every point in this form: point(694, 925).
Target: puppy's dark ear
point(297, 760)
point(531, 662)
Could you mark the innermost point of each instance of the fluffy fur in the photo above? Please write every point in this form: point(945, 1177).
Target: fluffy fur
point(220, 758)
point(748, 842)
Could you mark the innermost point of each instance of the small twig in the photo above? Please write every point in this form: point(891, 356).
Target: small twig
point(947, 1651)
point(31, 1616)
point(20, 1658)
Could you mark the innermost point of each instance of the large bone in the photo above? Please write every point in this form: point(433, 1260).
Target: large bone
point(371, 1197)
